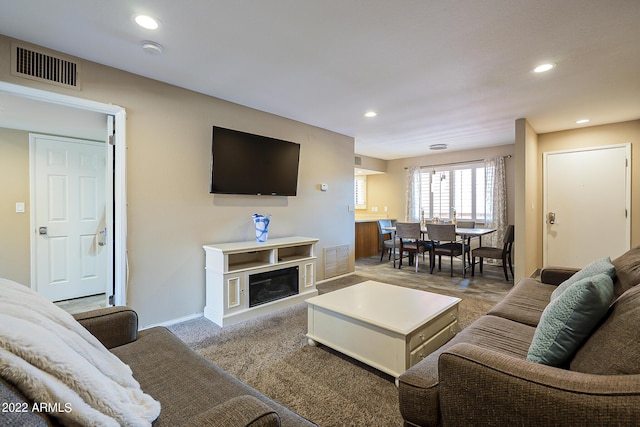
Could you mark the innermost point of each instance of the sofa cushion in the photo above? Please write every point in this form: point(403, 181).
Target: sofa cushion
point(418, 386)
point(241, 410)
point(600, 266)
point(569, 319)
point(185, 383)
point(627, 271)
point(16, 409)
point(614, 347)
point(525, 302)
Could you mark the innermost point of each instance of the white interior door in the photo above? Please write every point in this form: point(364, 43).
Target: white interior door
point(586, 205)
point(68, 208)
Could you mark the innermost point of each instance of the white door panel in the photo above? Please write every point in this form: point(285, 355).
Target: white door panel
point(69, 201)
point(586, 202)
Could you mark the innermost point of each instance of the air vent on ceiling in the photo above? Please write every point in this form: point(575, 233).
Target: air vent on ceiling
point(44, 67)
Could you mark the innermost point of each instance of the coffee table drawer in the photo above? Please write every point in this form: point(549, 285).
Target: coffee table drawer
point(437, 341)
point(424, 334)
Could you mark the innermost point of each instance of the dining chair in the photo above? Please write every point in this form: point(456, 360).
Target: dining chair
point(503, 253)
point(386, 237)
point(411, 241)
point(444, 241)
point(467, 224)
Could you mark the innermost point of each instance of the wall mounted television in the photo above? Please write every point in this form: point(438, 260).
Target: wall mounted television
point(243, 163)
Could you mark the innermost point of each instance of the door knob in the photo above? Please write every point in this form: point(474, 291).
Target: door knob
point(42, 231)
point(551, 217)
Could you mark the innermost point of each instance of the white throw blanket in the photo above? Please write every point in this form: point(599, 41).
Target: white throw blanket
point(64, 369)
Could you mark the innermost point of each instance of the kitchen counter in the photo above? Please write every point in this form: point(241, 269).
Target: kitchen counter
point(367, 238)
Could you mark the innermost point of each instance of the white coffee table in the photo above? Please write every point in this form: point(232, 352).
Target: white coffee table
point(388, 327)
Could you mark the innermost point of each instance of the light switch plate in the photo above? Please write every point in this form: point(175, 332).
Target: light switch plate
point(20, 207)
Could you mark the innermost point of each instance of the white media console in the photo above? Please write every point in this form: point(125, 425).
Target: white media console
point(248, 279)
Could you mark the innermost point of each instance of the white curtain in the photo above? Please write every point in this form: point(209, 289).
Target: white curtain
point(496, 201)
point(413, 194)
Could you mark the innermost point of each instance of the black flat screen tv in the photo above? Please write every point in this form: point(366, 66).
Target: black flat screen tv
point(243, 163)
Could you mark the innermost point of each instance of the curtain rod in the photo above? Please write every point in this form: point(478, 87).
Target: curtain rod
point(508, 156)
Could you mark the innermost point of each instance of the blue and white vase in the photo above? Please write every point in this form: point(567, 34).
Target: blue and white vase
point(262, 226)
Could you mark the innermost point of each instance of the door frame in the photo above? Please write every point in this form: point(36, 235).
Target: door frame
point(545, 208)
point(116, 167)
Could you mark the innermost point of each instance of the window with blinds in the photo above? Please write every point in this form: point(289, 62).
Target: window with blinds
point(360, 192)
point(443, 190)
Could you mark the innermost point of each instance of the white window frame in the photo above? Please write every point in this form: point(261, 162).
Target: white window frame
point(451, 197)
point(360, 191)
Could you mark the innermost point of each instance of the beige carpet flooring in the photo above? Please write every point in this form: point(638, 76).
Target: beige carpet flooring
point(271, 353)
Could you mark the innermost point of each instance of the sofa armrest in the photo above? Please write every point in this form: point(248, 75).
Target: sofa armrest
point(113, 326)
point(483, 387)
point(556, 275)
point(240, 411)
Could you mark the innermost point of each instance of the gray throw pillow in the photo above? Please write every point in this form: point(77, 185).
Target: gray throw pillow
point(569, 319)
point(627, 271)
point(613, 348)
point(601, 266)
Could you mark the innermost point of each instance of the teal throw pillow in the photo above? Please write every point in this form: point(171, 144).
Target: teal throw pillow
point(601, 266)
point(569, 319)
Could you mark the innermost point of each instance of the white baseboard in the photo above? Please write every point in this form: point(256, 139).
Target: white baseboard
point(335, 277)
point(198, 315)
point(174, 321)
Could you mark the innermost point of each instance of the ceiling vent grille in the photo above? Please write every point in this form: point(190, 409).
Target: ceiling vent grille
point(38, 65)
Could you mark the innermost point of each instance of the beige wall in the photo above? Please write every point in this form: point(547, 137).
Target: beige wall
point(170, 211)
point(371, 163)
point(598, 136)
point(389, 189)
point(527, 257)
point(529, 151)
point(14, 227)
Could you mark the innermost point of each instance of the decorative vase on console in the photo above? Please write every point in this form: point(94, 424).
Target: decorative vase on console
point(261, 223)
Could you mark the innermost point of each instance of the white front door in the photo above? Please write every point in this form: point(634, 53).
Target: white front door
point(586, 205)
point(68, 211)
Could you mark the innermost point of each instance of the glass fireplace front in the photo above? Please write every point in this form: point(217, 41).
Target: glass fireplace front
point(272, 285)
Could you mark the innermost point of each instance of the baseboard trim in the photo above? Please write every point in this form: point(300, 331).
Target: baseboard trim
point(199, 315)
point(319, 282)
point(174, 321)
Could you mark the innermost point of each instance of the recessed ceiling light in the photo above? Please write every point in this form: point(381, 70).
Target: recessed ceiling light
point(152, 48)
point(438, 147)
point(582, 121)
point(544, 67)
point(370, 114)
point(146, 22)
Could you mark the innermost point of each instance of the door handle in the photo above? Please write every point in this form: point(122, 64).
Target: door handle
point(103, 240)
point(551, 217)
point(42, 231)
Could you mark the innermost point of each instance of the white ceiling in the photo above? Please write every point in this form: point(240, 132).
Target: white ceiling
point(456, 72)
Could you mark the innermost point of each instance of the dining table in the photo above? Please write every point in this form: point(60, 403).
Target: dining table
point(464, 233)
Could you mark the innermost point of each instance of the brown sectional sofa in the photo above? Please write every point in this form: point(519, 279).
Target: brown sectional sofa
point(482, 378)
point(191, 390)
